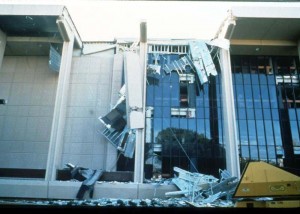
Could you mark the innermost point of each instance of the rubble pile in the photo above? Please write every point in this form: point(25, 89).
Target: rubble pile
point(195, 190)
point(204, 190)
point(114, 202)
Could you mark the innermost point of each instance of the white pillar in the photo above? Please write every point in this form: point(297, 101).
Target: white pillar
point(140, 133)
point(59, 115)
point(2, 46)
point(229, 121)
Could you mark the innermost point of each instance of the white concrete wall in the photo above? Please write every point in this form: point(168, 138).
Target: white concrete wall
point(25, 121)
point(89, 98)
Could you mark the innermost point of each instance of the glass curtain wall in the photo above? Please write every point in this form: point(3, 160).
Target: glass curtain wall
point(183, 121)
point(266, 91)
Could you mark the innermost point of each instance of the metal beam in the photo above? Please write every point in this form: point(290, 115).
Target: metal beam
point(263, 42)
point(33, 39)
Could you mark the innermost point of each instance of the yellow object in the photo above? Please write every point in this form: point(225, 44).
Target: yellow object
point(260, 180)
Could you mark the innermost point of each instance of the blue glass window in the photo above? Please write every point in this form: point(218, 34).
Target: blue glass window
point(263, 79)
point(238, 78)
point(260, 132)
point(157, 126)
point(252, 132)
point(254, 153)
point(277, 133)
point(267, 113)
point(250, 113)
point(166, 112)
point(273, 96)
point(265, 96)
point(207, 129)
point(183, 123)
point(269, 132)
point(158, 112)
point(220, 131)
point(275, 114)
point(243, 132)
point(292, 114)
point(158, 96)
point(271, 152)
point(191, 124)
point(254, 78)
point(295, 133)
point(258, 114)
point(200, 112)
point(256, 96)
point(241, 114)
point(245, 151)
point(248, 96)
point(150, 95)
point(271, 79)
point(263, 152)
point(240, 96)
point(200, 126)
point(247, 79)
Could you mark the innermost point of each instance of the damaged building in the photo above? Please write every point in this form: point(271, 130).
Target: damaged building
point(126, 112)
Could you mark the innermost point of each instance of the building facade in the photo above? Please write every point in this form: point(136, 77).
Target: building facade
point(64, 100)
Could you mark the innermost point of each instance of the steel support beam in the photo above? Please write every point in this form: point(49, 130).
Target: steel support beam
point(33, 39)
point(263, 42)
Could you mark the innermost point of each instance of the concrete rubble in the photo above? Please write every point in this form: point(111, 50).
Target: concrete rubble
point(195, 190)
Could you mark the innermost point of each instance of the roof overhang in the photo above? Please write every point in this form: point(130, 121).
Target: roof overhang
point(30, 29)
point(262, 30)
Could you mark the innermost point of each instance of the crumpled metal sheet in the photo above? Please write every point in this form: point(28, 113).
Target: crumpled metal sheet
point(203, 189)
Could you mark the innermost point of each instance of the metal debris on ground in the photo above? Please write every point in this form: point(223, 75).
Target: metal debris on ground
point(103, 202)
point(204, 190)
point(90, 178)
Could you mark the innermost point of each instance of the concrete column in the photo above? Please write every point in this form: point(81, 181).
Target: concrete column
point(59, 116)
point(2, 46)
point(140, 133)
point(229, 122)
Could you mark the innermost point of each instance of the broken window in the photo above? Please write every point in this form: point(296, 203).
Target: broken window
point(175, 135)
point(55, 56)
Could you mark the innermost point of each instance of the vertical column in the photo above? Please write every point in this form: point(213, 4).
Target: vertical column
point(2, 46)
point(299, 49)
point(229, 122)
point(140, 133)
point(59, 115)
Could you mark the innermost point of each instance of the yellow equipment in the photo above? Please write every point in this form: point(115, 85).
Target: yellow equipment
point(265, 185)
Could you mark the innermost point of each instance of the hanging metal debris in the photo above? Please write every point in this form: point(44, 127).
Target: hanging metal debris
point(202, 59)
point(180, 66)
point(198, 60)
point(54, 59)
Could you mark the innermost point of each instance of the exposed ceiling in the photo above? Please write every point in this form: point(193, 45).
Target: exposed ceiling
point(267, 29)
point(264, 31)
point(17, 26)
point(31, 27)
point(44, 26)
